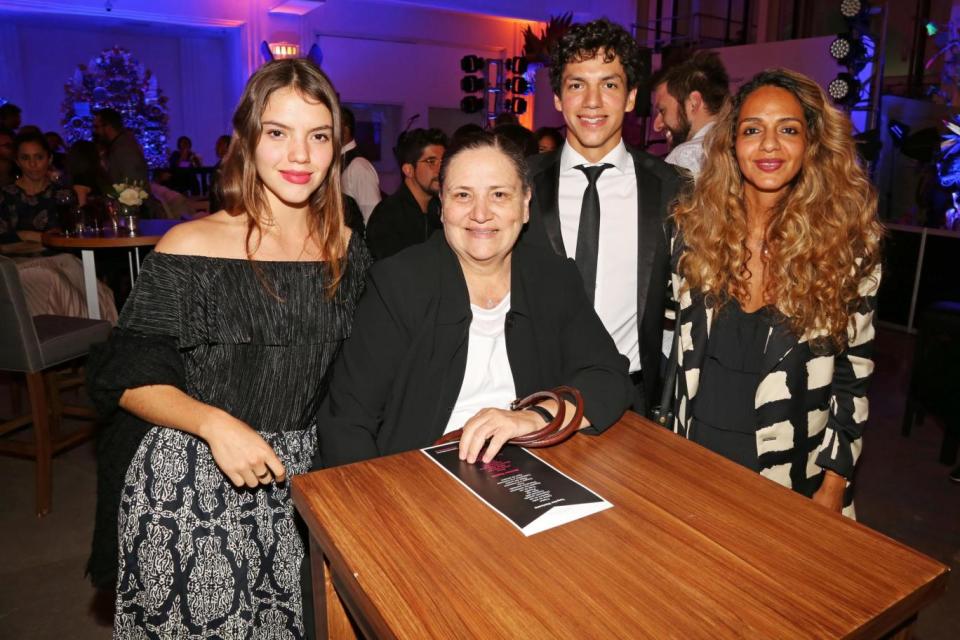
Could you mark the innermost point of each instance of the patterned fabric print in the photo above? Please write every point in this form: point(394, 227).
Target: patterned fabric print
point(36, 212)
point(201, 558)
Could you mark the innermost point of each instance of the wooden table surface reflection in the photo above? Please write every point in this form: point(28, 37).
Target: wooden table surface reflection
point(694, 547)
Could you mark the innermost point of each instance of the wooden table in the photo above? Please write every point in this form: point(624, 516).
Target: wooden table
point(694, 547)
point(150, 233)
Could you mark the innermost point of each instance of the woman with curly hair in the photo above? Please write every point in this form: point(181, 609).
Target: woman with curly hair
point(776, 263)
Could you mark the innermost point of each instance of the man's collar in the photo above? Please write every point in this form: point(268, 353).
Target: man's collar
point(348, 147)
point(703, 130)
point(619, 157)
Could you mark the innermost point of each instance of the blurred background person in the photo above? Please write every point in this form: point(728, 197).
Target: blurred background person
point(412, 213)
point(548, 139)
point(687, 100)
point(359, 177)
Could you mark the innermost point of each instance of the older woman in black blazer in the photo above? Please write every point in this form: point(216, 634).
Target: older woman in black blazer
point(450, 331)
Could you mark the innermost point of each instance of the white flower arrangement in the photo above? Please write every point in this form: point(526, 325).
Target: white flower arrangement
point(131, 194)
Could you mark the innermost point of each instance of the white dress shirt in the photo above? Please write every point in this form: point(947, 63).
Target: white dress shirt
point(488, 379)
point(361, 182)
point(689, 154)
point(615, 296)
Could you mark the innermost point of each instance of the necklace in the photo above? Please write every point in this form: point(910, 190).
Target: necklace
point(491, 300)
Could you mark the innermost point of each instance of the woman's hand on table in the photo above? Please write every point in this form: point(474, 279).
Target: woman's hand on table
point(497, 426)
point(240, 452)
point(830, 493)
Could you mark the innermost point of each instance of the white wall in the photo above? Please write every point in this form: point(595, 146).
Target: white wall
point(188, 71)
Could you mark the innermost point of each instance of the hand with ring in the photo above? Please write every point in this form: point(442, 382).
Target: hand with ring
point(240, 452)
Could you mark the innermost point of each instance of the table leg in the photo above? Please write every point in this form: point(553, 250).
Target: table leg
point(330, 617)
point(904, 631)
point(130, 265)
point(90, 284)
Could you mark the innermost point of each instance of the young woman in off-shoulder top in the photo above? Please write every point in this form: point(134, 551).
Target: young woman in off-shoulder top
point(213, 377)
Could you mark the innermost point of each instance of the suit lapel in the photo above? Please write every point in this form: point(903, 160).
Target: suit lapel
point(648, 228)
point(546, 185)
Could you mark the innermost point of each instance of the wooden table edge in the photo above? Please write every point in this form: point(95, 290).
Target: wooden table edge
point(55, 240)
point(351, 594)
point(897, 616)
point(904, 612)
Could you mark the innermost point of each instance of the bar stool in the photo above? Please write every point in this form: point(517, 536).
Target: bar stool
point(934, 374)
point(36, 346)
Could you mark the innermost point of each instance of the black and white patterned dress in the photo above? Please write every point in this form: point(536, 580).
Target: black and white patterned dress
point(199, 557)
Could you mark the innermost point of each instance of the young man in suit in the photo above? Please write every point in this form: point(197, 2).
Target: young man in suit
point(605, 204)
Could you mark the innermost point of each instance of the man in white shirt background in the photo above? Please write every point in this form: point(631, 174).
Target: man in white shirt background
point(358, 177)
point(687, 98)
point(605, 204)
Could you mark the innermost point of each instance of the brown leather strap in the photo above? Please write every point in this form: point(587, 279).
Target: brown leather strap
point(554, 432)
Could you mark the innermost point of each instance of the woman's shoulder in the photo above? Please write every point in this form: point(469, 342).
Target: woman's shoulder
point(218, 235)
point(419, 258)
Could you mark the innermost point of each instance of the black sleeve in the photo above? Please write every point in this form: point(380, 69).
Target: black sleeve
point(363, 374)
point(145, 347)
point(352, 216)
point(383, 237)
point(591, 362)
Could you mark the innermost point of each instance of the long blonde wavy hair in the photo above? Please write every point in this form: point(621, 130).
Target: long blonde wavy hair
point(823, 237)
point(243, 189)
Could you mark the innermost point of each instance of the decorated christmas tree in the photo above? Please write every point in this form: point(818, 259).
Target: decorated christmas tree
point(114, 79)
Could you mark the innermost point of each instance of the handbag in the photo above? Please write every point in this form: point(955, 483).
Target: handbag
point(663, 413)
point(555, 431)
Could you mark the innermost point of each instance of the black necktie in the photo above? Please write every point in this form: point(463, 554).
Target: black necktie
point(588, 236)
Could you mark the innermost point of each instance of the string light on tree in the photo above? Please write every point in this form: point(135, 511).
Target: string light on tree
point(115, 79)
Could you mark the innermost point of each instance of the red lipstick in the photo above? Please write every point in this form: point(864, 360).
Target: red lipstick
point(296, 177)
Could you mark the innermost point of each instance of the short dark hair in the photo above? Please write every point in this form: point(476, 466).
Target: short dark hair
point(348, 120)
point(465, 131)
point(411, 144)
point(549, 132)
point(182, 138)
point(482, 140)
point(9, 109)
point(703, 72)
point(83, 165)
point(521, 137)
point(110, 117)
point(584, 41)
point(30, 136)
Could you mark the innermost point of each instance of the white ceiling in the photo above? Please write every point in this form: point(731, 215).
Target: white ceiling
point(540, 10)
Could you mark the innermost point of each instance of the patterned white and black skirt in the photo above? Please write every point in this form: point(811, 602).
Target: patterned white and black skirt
point(202, 558)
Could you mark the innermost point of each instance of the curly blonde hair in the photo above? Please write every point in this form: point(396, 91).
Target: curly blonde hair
point(823, 237)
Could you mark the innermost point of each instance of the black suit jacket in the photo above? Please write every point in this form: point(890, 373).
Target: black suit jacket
point(398, 377)
point(657, 187)
point(397, 223)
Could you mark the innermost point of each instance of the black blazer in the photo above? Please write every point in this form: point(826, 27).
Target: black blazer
point(657, 187)
point(397, 223)
point(397, 380)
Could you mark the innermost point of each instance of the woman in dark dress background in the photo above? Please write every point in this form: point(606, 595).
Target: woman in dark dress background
point(776, 269)
point(30, 203)
point(214, 376)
